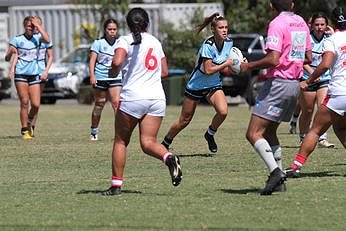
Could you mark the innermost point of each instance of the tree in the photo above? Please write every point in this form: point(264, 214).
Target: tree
point(180, 45)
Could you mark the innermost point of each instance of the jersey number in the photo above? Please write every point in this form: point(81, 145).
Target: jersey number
point(150, 60)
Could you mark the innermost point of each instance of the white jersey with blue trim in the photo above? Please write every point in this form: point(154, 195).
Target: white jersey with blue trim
point(317, 46)
point(198, 79)
point(27, 49)
point(41, 56)
point(105, 53)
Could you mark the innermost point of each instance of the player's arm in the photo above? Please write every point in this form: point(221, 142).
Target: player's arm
point(326, 63)
point(308, 57)
point(92, 63)
point(10, 51)
point(49, 63)
point(12, 70)
point(210, 68)
point(164, 67)
point(118, 59)
point(44, 35)
point(271, 59)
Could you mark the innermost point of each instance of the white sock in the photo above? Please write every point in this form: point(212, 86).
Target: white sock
point(323, 136)
point(262, 147)
point(277, 155)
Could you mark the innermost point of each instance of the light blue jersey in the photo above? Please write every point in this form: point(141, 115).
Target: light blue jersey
point(27, 49)
point(317, 46)
point(198, 79)
point(105, 52)
point(41, 56)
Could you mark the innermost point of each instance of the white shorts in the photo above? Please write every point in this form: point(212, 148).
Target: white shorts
point(336, 103)
point(140, 108)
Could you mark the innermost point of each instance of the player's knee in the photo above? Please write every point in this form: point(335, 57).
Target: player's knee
point(184, 121)
point(223, 113)
point(24, 103)
point(97, 110)
point(147, 146)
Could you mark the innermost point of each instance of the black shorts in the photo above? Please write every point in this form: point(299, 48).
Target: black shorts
point(104, 85)
point(318, 85)
point(200, 95)
point(29, 79)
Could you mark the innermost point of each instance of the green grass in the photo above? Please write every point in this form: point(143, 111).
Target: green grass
point(53, 181)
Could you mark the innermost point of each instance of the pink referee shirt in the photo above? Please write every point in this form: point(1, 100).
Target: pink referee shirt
point(289, 35)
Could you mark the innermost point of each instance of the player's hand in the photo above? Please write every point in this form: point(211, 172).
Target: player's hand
point(44, 76)
point(11, 74)
point(93, 81)
point(303, 85)
point(36, 21)
point(244, 66)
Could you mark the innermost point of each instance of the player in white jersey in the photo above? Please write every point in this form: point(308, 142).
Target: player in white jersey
point(333, 109)
point(101, 55)
point(26, 73)
point(142, 61)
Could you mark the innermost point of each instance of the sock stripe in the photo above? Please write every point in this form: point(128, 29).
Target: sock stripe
point(117, 181)
point(164, 157)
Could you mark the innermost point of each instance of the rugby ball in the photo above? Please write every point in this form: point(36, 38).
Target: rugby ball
point(237, 57)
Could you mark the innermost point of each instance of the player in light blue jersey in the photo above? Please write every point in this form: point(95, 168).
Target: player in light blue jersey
point(204, 82)
point(44, 62)
point(317, 91)
point(26, 72)
point(101, 55)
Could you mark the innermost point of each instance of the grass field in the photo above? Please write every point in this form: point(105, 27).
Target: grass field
point(53, 181)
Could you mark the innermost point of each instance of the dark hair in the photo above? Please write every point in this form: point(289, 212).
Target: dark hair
point(339, 18)
point(318, 15)
point(282, 5)
point(212, 20)
point(27, 19)
point(138, 21)
point(109, 21)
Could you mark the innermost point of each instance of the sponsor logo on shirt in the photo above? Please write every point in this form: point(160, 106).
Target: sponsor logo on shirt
point(273, 40)
point(274, 111)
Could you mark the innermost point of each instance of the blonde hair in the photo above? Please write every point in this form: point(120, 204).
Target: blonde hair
point(212, 20)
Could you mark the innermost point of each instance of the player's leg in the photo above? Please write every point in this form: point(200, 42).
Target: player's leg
point(307, 102)
point(124, 125)
point(32, 117)
point(322, 121)
point(186, 114)
point(23, 95)
point(100, 101)
point(323, 142)
point(35, 102)
point(114, 97)
point(218, 100)
point(339, 126)
point(148, 127)
point(294, 119)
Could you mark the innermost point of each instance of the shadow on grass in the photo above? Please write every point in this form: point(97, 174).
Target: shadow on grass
point(197, 155)
point(241, 191)
point(84, 191)
point(338, 164)
point(9, 137)
point(319, 174)
point(293, 146)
